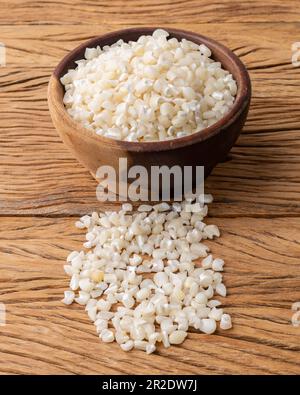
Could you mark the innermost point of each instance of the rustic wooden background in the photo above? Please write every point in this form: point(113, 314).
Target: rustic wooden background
point(43, 189)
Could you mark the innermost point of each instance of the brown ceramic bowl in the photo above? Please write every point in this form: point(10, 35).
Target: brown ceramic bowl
point(204, 148)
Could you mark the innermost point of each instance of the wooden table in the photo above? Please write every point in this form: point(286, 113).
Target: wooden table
point(43, 190)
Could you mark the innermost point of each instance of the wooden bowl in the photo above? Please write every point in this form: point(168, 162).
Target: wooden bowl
point(204, 148)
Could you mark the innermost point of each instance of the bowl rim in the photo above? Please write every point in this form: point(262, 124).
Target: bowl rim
point(242, 99)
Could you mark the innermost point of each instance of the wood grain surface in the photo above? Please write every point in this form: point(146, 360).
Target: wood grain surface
point(257, 193)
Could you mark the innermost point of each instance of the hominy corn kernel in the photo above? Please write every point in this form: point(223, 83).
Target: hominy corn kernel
point(97, 276)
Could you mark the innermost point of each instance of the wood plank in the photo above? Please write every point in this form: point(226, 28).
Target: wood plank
point(40, 177)
point(136, 12)
point(256, 44)
point(43, 179)
point(44, 336)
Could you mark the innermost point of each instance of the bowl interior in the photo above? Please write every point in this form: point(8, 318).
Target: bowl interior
point(220, 53)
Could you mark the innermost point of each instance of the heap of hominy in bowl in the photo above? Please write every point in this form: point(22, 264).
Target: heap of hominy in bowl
point(151, 89)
